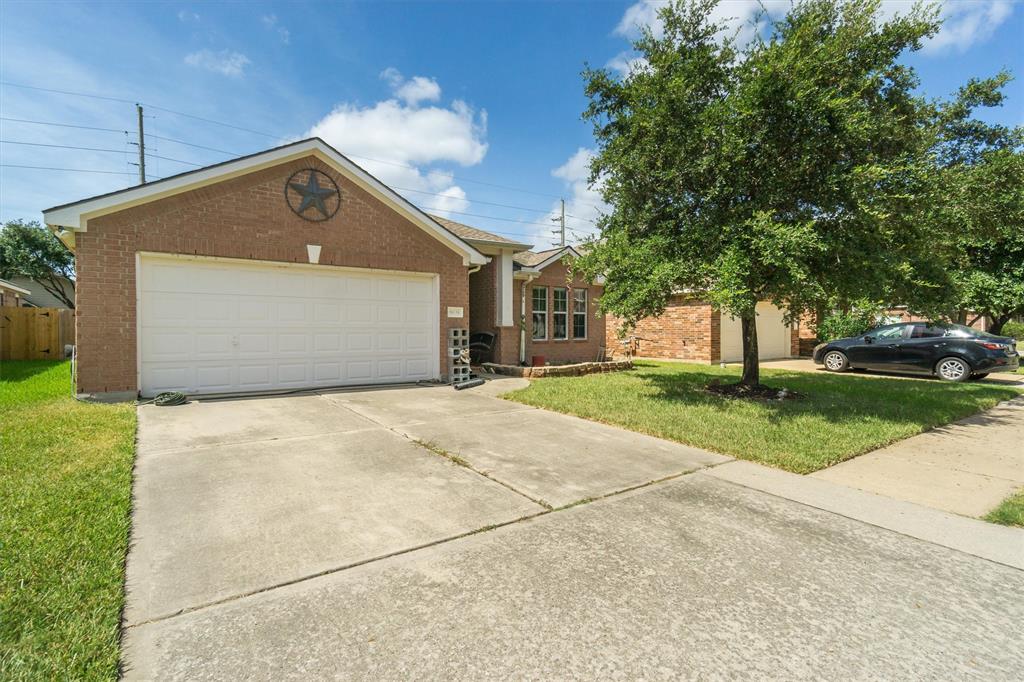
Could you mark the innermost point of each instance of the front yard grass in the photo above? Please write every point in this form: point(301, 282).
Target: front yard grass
point(839, 417)
point(1010, 512)
point(65, 468)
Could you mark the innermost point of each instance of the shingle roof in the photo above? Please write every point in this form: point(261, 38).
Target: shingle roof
point(531, 258)
point(467, 232)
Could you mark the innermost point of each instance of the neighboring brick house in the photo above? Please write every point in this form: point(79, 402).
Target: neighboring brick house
point(11, 295)
point(289, 268)
point(691, 329)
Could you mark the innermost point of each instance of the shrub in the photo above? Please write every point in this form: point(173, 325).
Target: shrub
point(840, 325)
point(1014, 329)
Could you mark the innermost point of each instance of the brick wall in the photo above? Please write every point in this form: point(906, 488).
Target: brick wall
point(244, 217)
point(569, 350)
point(689, 329)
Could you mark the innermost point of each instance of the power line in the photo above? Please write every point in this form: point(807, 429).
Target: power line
point(167, 158)
point(192, 163)
point(190, 144)
point(67, 92)
point(489, 217)
point(64, 146)
point(73, 170)
point(62, 125)
point(277, 137)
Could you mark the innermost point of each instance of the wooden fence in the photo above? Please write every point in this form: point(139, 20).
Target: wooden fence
point(35, 333)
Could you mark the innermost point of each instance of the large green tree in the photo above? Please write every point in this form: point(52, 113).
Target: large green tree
point(788, 169)
point(980, 200)
point(30, 250)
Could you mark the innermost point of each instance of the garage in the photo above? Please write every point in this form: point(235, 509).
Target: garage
point(210, 326)
point(773, 335)
point(287, 269)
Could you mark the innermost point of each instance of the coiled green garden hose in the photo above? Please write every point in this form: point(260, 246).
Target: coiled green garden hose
point(168, 399)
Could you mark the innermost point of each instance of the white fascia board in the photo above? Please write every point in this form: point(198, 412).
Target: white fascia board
point(557, 257)
point(75, 216)
point(4, 284)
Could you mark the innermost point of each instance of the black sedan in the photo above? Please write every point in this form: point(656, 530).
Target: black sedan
point(951, 352)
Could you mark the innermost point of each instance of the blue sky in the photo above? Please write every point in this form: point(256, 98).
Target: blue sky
point(444, 100)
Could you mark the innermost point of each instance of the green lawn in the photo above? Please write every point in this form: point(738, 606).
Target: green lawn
point(840, 416)
point(65, 468)
point(1010, 512)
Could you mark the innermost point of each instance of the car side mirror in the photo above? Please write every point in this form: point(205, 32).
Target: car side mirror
point(867, 339)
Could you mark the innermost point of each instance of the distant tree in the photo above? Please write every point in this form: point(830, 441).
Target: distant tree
point(792, 168)
point(30, 250)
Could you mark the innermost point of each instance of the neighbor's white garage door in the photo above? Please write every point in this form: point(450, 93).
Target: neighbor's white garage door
point(773, 335)
point(215, 326)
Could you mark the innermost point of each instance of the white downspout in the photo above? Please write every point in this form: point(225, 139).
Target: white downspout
point(522, 318)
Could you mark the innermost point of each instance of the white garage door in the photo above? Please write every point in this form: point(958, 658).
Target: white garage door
point(214, 326)
point(773, 335)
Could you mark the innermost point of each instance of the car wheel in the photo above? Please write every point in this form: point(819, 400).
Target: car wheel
point(835, 361)
point(979, 377)
point(953, 369)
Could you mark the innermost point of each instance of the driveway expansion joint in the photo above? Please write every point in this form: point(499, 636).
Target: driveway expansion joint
point(546, 511)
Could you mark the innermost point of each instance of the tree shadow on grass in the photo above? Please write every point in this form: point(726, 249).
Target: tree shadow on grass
point(838, 399)
point(16, 371)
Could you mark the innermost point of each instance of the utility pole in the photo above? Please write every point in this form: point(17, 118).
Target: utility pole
point(142, 148)
point(561, 231)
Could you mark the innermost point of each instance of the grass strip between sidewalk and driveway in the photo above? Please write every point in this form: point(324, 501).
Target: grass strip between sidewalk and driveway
point(66, 471)
point(838, 417)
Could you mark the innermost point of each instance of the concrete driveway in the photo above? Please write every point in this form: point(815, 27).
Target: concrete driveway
point(238, 496)
point(423, 532)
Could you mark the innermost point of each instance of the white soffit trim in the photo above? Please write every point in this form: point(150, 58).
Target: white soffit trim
point(526, 273)
point(75, 216)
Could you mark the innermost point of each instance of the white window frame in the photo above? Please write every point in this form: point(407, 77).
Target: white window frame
point(576, 300)
point(534, 311)
point(555, 313)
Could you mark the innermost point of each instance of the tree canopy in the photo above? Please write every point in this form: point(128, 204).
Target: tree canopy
point(795, 168)
point(980, 202)
point(30, 250)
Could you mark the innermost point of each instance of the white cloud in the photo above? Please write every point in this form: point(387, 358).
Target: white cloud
point(413, 90)
point(740, 17)
point(398, 140)
point(584, 204)
point(965, 22)
point(185, 16)
point(270, 21)
point(224, 62)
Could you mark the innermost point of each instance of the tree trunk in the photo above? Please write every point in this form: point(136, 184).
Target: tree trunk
point(751, 362)
point(997, 323)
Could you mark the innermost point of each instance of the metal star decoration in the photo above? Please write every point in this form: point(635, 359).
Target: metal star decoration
point(313, 194)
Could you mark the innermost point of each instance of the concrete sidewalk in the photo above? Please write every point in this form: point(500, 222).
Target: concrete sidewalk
point(967, 467)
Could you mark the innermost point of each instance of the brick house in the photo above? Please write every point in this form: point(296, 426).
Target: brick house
point(289, 268)
point(691, 329)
